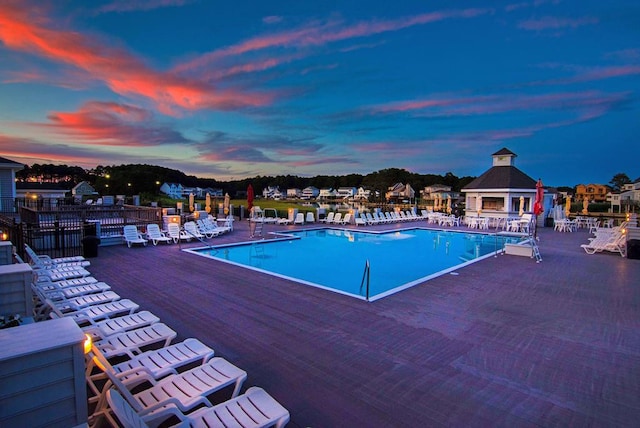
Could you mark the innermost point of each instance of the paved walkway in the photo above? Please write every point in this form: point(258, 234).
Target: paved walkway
point(505, 342)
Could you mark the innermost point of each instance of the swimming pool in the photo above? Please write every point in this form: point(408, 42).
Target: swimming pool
point(337, 259)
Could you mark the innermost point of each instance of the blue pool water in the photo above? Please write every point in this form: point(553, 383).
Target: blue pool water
point(335, 259)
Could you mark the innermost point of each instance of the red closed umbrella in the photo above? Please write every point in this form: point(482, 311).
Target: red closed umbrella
point(537, 205)
point(249, 197)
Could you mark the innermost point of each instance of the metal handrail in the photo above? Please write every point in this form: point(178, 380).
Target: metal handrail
point(366, 275)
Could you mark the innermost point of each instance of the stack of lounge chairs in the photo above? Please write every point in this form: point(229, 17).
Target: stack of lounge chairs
point(611, 239)
point(136, 374)
point(200, 229)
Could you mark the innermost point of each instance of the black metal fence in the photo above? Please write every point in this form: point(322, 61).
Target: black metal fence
point(58, 230)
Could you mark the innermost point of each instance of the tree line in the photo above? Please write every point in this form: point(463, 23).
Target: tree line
point(141, 178)
point(146, 179)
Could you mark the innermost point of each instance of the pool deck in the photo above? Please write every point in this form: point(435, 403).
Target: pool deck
point(505, 342)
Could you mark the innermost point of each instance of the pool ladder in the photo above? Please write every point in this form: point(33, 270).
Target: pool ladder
point(365, 279)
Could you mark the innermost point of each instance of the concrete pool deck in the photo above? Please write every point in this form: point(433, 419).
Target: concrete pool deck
point(503, 342)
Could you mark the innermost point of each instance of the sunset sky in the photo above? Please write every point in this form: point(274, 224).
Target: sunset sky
point(235, 89)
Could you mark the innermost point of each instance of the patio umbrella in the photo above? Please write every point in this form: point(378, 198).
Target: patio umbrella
point(537, 205)
point(249, 197)
point(585, 205)
point(192, 198)
point(567, 207)
point(479, 205)
point(207, 203)
point(227, 202)
point(521, 209)
point(448, 204)
point(436, 205)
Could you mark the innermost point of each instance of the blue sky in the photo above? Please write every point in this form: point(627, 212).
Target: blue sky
point(237, 89)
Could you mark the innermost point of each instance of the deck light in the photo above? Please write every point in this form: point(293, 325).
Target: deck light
point(88, 343)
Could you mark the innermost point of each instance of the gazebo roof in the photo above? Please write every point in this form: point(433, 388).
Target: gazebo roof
point(502, 177)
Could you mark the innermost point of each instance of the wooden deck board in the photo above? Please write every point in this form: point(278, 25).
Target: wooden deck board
point(505, 342)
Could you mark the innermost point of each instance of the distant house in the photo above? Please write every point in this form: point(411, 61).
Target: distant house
point(217, 193)
point(628, 197)
point(271, 192)
point(362, 194)
point(400, 192)
point(172, 190)
point(310, 192)
point(439, 191)
point(592, 192)
point(294, 193)
point(498, 190)
point(346, 192)
point(8, 169)
point(83, 189)
point(328, 193)
point(41, 195)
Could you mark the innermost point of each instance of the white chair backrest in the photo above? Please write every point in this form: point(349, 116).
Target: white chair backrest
point(130, 230)
point(126, 415)
point(153, 229)
point(173, 229)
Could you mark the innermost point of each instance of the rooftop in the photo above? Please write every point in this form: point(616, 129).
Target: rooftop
point(504, 342)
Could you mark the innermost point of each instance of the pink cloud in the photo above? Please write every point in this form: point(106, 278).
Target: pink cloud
point(272, 19)
point(120, 71)
point(316, 33)
point(494, 104)
point(132, 6)
point(556, 23)
point(112, 124)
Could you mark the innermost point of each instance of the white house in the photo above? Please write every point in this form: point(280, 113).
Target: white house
point(272, 192)
point(294, 193)
point(310, 192)
point(629, 195)
point(400, 192)
point(83, 189)
point(328, 193)
point(362, 194)
point(172, 190)
point(8, 170)
point(346, 192)
point(499, 189)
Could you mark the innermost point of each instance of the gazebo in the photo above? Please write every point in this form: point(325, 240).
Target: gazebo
point(496, 193)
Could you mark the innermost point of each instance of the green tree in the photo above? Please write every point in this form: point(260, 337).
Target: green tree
point(619, 180)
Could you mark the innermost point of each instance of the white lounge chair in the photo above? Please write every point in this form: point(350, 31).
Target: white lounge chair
point(616, 243)
point(207, 229)
point(253, 409)
point(133, 342)
point(299, 219)
point(92, 314)
point(191, 229)
point(59, 274)
point(174, 232)
point(53, 291)
point(337, 219)
point(309, 218)
point(174, 395)
point(346, 219)
point(132, 236)
point(370, 219)
point(44, 261)
point(361, 220)
point(155, 235)
point(165, 361)
point(117, 325)
point(329, 218)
